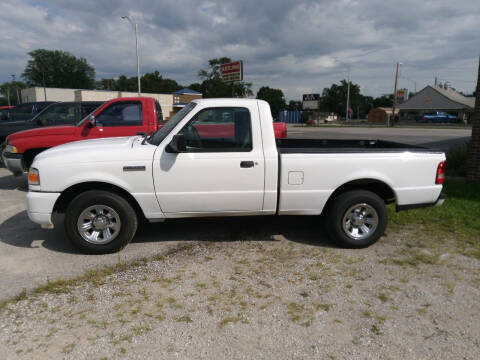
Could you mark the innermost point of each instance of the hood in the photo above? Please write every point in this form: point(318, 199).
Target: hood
point(97, 150)
point(44, 131)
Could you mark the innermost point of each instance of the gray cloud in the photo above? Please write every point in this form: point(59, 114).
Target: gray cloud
point(298, 46)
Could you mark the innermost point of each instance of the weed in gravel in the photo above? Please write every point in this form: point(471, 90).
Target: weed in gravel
point(68, 348)
point(381, 319)
point(186, 319)
point(375, 329)
point(233, 320)
point(450, 286)
point(200, 286)
point(141, 329)
point(123, 351)
point(324, 307)
point(383, 297)
point(367, 313)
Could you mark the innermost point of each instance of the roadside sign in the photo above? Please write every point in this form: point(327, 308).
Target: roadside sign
point(311, 101)
point(311, 97)
point(232, 71)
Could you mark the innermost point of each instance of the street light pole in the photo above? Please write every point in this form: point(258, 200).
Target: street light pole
point(394, 97)
point(135, 27)
point(348, 94)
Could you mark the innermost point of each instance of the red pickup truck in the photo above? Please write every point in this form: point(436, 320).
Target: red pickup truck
point(117, 117)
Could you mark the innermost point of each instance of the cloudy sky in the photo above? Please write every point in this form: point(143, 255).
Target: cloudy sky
point(300, 46)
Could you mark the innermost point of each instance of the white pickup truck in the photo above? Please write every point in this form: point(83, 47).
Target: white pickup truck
point(219, 157)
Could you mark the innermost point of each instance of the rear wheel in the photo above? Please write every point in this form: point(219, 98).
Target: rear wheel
point(357, 218)
point(100, 222)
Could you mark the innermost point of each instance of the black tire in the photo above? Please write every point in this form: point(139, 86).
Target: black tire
point(125, 212)
point(338, 210)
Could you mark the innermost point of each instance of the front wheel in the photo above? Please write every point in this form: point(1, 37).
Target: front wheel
point(100, 222)
point(357, 218)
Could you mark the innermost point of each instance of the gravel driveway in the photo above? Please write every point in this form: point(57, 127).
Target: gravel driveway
point(252, 295)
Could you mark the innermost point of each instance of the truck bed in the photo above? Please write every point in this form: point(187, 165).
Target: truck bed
point(313, 146)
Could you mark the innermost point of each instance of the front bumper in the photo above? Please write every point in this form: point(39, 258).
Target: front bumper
point(14, 163)
point(40, 207)
point(440, 201)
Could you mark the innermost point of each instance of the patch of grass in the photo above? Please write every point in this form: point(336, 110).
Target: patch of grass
point(458, 216)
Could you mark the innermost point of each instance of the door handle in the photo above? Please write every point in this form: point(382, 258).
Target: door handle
point(247, 164)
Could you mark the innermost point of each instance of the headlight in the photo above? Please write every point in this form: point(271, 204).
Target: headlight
point(33, 177)
point(11, 149)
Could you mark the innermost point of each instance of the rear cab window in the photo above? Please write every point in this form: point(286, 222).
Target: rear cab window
point(121, 114)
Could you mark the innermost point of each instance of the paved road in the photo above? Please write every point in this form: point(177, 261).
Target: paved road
point(434, 138)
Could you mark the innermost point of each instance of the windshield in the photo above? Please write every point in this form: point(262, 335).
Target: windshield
point(80, 123)
point(161, 134)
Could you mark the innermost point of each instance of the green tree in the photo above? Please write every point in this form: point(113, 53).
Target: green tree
point(11, 91)
point(294, 105)
point(383, 101)
point(274, 97)
point(154, 83)
point(151, 83)
point(213, 86)
point(334, 99)
point(56, 68)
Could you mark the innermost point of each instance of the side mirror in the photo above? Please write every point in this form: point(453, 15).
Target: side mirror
point(177, 145)
point(91, 120)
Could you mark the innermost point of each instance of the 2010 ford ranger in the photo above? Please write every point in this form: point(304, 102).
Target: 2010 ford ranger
point(187, 170)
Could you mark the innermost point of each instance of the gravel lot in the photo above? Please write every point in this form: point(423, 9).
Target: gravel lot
point(234, 288)
point(252, 295)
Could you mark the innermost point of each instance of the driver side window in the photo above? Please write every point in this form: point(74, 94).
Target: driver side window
point(225, 129)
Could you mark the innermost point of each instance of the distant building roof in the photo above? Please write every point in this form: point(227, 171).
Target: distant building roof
point(186, 91)
point(438, 98)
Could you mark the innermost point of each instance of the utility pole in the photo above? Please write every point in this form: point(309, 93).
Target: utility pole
point(394, 98)
point(135, 27)
point(348, 94)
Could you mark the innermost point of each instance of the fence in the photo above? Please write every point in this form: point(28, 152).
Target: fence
point(291, 117)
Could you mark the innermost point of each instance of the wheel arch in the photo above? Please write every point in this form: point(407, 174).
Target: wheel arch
point(382, 189)
point(71, 192)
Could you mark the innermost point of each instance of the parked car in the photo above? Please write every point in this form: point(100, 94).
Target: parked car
point(4, 112)
point(189, 168)
point(439, 117)
point(117, 117)
point(54, 114)
point(26, 111)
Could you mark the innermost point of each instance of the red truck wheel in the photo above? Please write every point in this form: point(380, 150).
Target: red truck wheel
point(100, 222)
